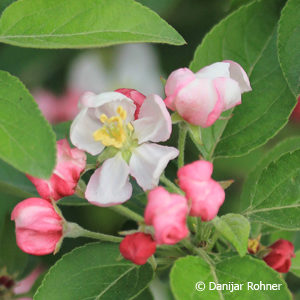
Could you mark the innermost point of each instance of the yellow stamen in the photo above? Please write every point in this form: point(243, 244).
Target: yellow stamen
point(113, 131)
point(130, 127)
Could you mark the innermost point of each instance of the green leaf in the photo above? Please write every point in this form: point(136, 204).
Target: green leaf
point(235, 228)
point(73, 201)
point(295, 268)
point(247, 36)
point(190, 270)
point(161, 6)
point(12, 259)
point(145, 295)
point(276, 201)
point(249, 187)
point(15, 181)
point(138, 200)
point(83, 24)
point(289, 44)
point(27, 141)
point(62, 130)
point(4, 4)
point(94, 271)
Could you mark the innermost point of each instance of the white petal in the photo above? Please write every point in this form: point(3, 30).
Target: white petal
point(110, 185)
point(238, 74)
point(148, 161)
point(107, 103)
point(154, 123)
point(227, 69)
point(218, 69)
point(82, 129)
point(229, 90)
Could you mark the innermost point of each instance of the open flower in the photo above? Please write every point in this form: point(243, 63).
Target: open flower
point(39, 228)
point(107, 121)
point(206, 195)
point(201, 97)
point(70, 163)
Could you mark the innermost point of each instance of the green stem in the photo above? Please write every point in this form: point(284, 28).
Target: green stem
point(211, 264)
point(124, 211)
point(101, 236)
point(213, 241)
point(181, 143)
point(188, 245)
point(73, 230)
point(169, 184)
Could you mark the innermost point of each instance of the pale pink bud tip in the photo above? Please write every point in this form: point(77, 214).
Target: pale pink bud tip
point(206, 195)
point(167, 214)
point(200, 98)
point(38, 226)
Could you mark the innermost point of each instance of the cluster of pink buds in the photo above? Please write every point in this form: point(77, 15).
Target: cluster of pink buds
point(39, 227)
point(167, 212)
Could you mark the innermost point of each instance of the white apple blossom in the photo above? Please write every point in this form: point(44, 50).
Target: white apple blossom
point(107, 121)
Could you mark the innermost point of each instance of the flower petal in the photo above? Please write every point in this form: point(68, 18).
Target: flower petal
point(81, 132)
point(229, 91)
point(107, 103)
point(197, 100)
point(109, 185)
point(148, 161)
point(218, 69)
point(154, 123)
point(227, 69)
point(177, 80)
point(87, 121)
point(238, 74)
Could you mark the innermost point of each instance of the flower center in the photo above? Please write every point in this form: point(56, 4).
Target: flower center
point(114, 131)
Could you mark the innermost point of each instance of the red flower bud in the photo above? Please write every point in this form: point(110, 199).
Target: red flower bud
point(138, 247)
point(280, 256)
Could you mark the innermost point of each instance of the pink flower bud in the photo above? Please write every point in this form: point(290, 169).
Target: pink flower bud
point(167, 213)
point(138, 247)
point(280, 256)
point(62, 183)
point(38, 226)
point(200, 98)
point(134, 95)
point(205, 194)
